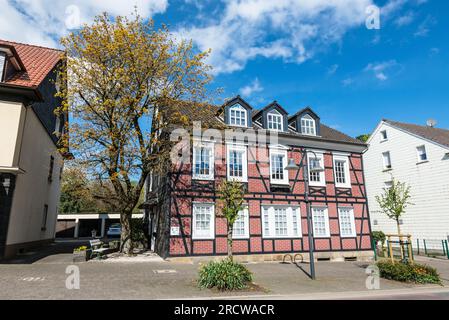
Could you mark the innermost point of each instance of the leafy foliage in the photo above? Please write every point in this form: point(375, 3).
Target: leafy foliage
point(403, 272)
point(224, 275)
point(232, 197)
point(379, 236)
point(364, 137)
point(120, 82)
point(395, 200)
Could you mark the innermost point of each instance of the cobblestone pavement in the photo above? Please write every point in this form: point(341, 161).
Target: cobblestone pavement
point(43, 276)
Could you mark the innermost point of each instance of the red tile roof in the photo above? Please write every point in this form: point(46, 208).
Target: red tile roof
point(38, 62)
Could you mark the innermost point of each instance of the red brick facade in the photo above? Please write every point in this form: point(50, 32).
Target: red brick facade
point(186, 191)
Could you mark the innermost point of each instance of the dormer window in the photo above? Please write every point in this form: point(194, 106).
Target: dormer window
point(308, 126)
point(275, 121)
point(238, 116)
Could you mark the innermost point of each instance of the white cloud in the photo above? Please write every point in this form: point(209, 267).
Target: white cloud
point(42, 22)
point(332, 69)
point(252, 88)
point(347, 82)
point(424, 27)
point(292, 30)
point(405, 19)
point(380, 69)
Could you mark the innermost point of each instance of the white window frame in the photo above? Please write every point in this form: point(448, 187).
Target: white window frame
point(382, 138)
point(283, 152)
point(385, 166)
point(419, 151)
point(211, 174)
point(209, 235)
point(245, 215)
point(320, 155)
point(345, 159)
point(311, 125)
point(239, 148)
point(243, 111)
point(350, 211)
point(274, 114)
point(326, 223)
point(271, 223)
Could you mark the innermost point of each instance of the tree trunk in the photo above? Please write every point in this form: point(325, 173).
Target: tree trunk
point(230, 243)
point(400, 239)
point(126, 246)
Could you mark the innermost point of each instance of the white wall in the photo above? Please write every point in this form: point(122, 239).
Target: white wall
point(12, 116)
point(429, 182)
point(33, 190)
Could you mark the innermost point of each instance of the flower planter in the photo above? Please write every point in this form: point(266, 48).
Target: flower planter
point(81, 256)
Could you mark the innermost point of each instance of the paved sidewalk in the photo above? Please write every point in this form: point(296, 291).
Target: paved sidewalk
point(45, 279)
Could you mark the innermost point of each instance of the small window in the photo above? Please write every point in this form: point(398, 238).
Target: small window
point(275, 121)
point(203, 161)
point(316, 178)
point(383, 135)
point(387, 160)
point(50, 173)
point(422, 154)
point(237, 163)
point(388, 184)
point(320, 219)
point(203, 221)
point(278, 163)
point(238, 116)
point(347, 222)
point(44, 218)
point(341, 171)
point(241, 225)
point(308, 126)
point(281, 222)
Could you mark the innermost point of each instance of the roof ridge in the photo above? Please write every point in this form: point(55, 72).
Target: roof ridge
point(31, 45)
point(414, 124)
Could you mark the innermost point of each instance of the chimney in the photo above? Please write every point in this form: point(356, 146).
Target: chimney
point(431, 123)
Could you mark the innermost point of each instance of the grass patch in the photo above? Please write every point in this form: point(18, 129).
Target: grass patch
point(224, 275)
point(415, 273)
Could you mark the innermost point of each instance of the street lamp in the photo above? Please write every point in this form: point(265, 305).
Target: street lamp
point(316, 168)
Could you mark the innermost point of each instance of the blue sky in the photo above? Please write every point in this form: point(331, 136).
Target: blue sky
point(299, 52)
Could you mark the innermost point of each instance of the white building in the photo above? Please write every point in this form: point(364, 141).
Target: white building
point(30, 163)
point(419, 156)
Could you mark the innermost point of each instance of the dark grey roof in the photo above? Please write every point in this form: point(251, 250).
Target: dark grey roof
point(437, 135)
point(207, 114)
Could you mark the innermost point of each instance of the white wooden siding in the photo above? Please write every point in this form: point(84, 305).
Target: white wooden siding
point(428, 218)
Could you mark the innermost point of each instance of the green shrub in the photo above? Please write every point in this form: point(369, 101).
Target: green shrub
point(403, 272)
point(224, 275)
point(379, 236)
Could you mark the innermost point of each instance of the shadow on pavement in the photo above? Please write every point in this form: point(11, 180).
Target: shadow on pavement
point(59, 247)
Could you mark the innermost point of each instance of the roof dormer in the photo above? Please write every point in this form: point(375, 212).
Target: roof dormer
point(10, 62)
point(237, 113)
point(272, 117)
point(305, 122)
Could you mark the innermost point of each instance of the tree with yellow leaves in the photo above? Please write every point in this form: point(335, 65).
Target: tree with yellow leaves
point(121, 81)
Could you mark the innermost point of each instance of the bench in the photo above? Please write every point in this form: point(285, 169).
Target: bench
point(98, 248)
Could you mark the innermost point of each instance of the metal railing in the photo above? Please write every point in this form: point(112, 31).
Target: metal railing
point(432, 248)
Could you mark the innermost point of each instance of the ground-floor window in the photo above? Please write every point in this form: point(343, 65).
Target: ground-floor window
point(320, 219)
point(241, 225)
point(347, 222)
point(203, 226)
point(281, 222)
